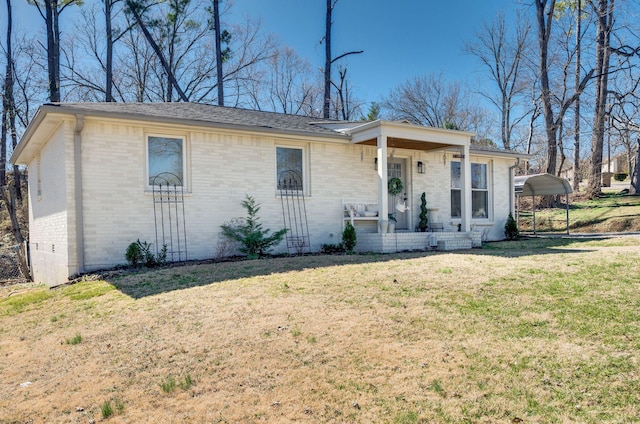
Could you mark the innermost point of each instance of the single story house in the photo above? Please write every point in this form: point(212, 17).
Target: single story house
point(103, 175)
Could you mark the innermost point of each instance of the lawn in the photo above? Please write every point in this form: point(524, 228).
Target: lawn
point(537, 331)
point(612, 212)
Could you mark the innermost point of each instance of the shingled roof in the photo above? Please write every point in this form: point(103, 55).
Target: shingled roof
point(203, 114)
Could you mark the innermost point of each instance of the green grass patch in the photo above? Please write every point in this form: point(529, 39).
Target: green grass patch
point(106, 409)
point(17, 303)
point(186, 383)
point(75, 340)
point(87, 290)
point(168, 385)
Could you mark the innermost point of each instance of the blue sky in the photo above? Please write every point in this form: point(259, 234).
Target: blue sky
point(400, 39)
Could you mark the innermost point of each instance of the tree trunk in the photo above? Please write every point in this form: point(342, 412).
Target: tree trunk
point(635, 178)
point(218, 35)
point(11, 203)
point(545, 18)
point(327, 61)
point(576, 122)
point(605, 19)
point(108, 89)
point(9, 110)
point(5, 107)
point(133, 8)
point(53, 49)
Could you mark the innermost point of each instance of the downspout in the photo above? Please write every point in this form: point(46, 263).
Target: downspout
point(511, 185)
point(466, 200)
point(77, 164)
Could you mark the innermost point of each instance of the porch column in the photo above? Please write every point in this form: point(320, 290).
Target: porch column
point(465, 171)
point(383, 198)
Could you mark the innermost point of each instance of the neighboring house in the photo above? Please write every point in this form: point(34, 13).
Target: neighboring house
point(617, 164)
point(95, 171)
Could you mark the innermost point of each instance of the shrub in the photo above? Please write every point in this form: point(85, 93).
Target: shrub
point(332, 248)
point(621, 176)
point(134, 254)
point(511, 228)
point(424, 221)
point(255, 241)
point(349, 239)
point(139, 252)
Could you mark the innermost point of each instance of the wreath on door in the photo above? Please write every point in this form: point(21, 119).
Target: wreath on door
point(395, 186)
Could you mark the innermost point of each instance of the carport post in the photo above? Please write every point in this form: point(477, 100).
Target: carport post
point(533, 209)
point(567, 198)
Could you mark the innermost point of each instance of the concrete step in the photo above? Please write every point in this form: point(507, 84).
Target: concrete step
point(455, 244)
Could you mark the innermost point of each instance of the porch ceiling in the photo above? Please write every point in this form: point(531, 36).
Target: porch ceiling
point(403, 143)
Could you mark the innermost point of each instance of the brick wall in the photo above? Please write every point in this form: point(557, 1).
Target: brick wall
point(48, 211)
point(223, 166)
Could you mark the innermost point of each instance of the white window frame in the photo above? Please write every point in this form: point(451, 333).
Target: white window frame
point(488, 190)
point(185, 155)
point(305, 173)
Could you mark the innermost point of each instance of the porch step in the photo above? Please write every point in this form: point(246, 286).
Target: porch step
point(455, 244)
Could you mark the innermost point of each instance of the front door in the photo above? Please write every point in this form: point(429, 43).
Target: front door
point(396, 168)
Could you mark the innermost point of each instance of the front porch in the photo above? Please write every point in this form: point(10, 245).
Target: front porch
point(411, 141)
point(411, 241)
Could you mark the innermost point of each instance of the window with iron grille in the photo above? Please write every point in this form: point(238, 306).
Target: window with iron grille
point(165, 160)
point(290, 168)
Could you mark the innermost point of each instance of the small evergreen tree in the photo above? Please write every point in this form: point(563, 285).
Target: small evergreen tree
point(349, 239)
point(139, 253)
point(511, 228)
point(256, 242)
point(424, 220)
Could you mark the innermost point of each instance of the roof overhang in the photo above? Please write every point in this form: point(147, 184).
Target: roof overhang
point(541, 185)
point(49, 116)
point(39, 129)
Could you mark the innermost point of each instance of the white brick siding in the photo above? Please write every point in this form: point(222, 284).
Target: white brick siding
point(222, 167)
point(48, 212)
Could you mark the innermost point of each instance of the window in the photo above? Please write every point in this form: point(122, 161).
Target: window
point(456, 191)
point(165, 160)
point(479, 191)
point(290, 168)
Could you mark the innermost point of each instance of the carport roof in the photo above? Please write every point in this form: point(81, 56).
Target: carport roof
point(541, 185)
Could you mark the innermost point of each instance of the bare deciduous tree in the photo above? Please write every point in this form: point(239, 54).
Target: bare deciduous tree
point(552, 118)
point(431, 101)
point(137, 10)
point(346, 106)
point(329, 60)
point(502, 56)
point(604, 15)
point(50, 10)
point(284, 84)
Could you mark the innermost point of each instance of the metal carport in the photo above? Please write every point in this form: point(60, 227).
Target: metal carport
point(540, 185)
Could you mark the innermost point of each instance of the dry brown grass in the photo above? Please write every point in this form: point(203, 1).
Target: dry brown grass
point(538, 331)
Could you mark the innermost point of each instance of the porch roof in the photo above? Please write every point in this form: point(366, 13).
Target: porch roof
point(404, 135)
